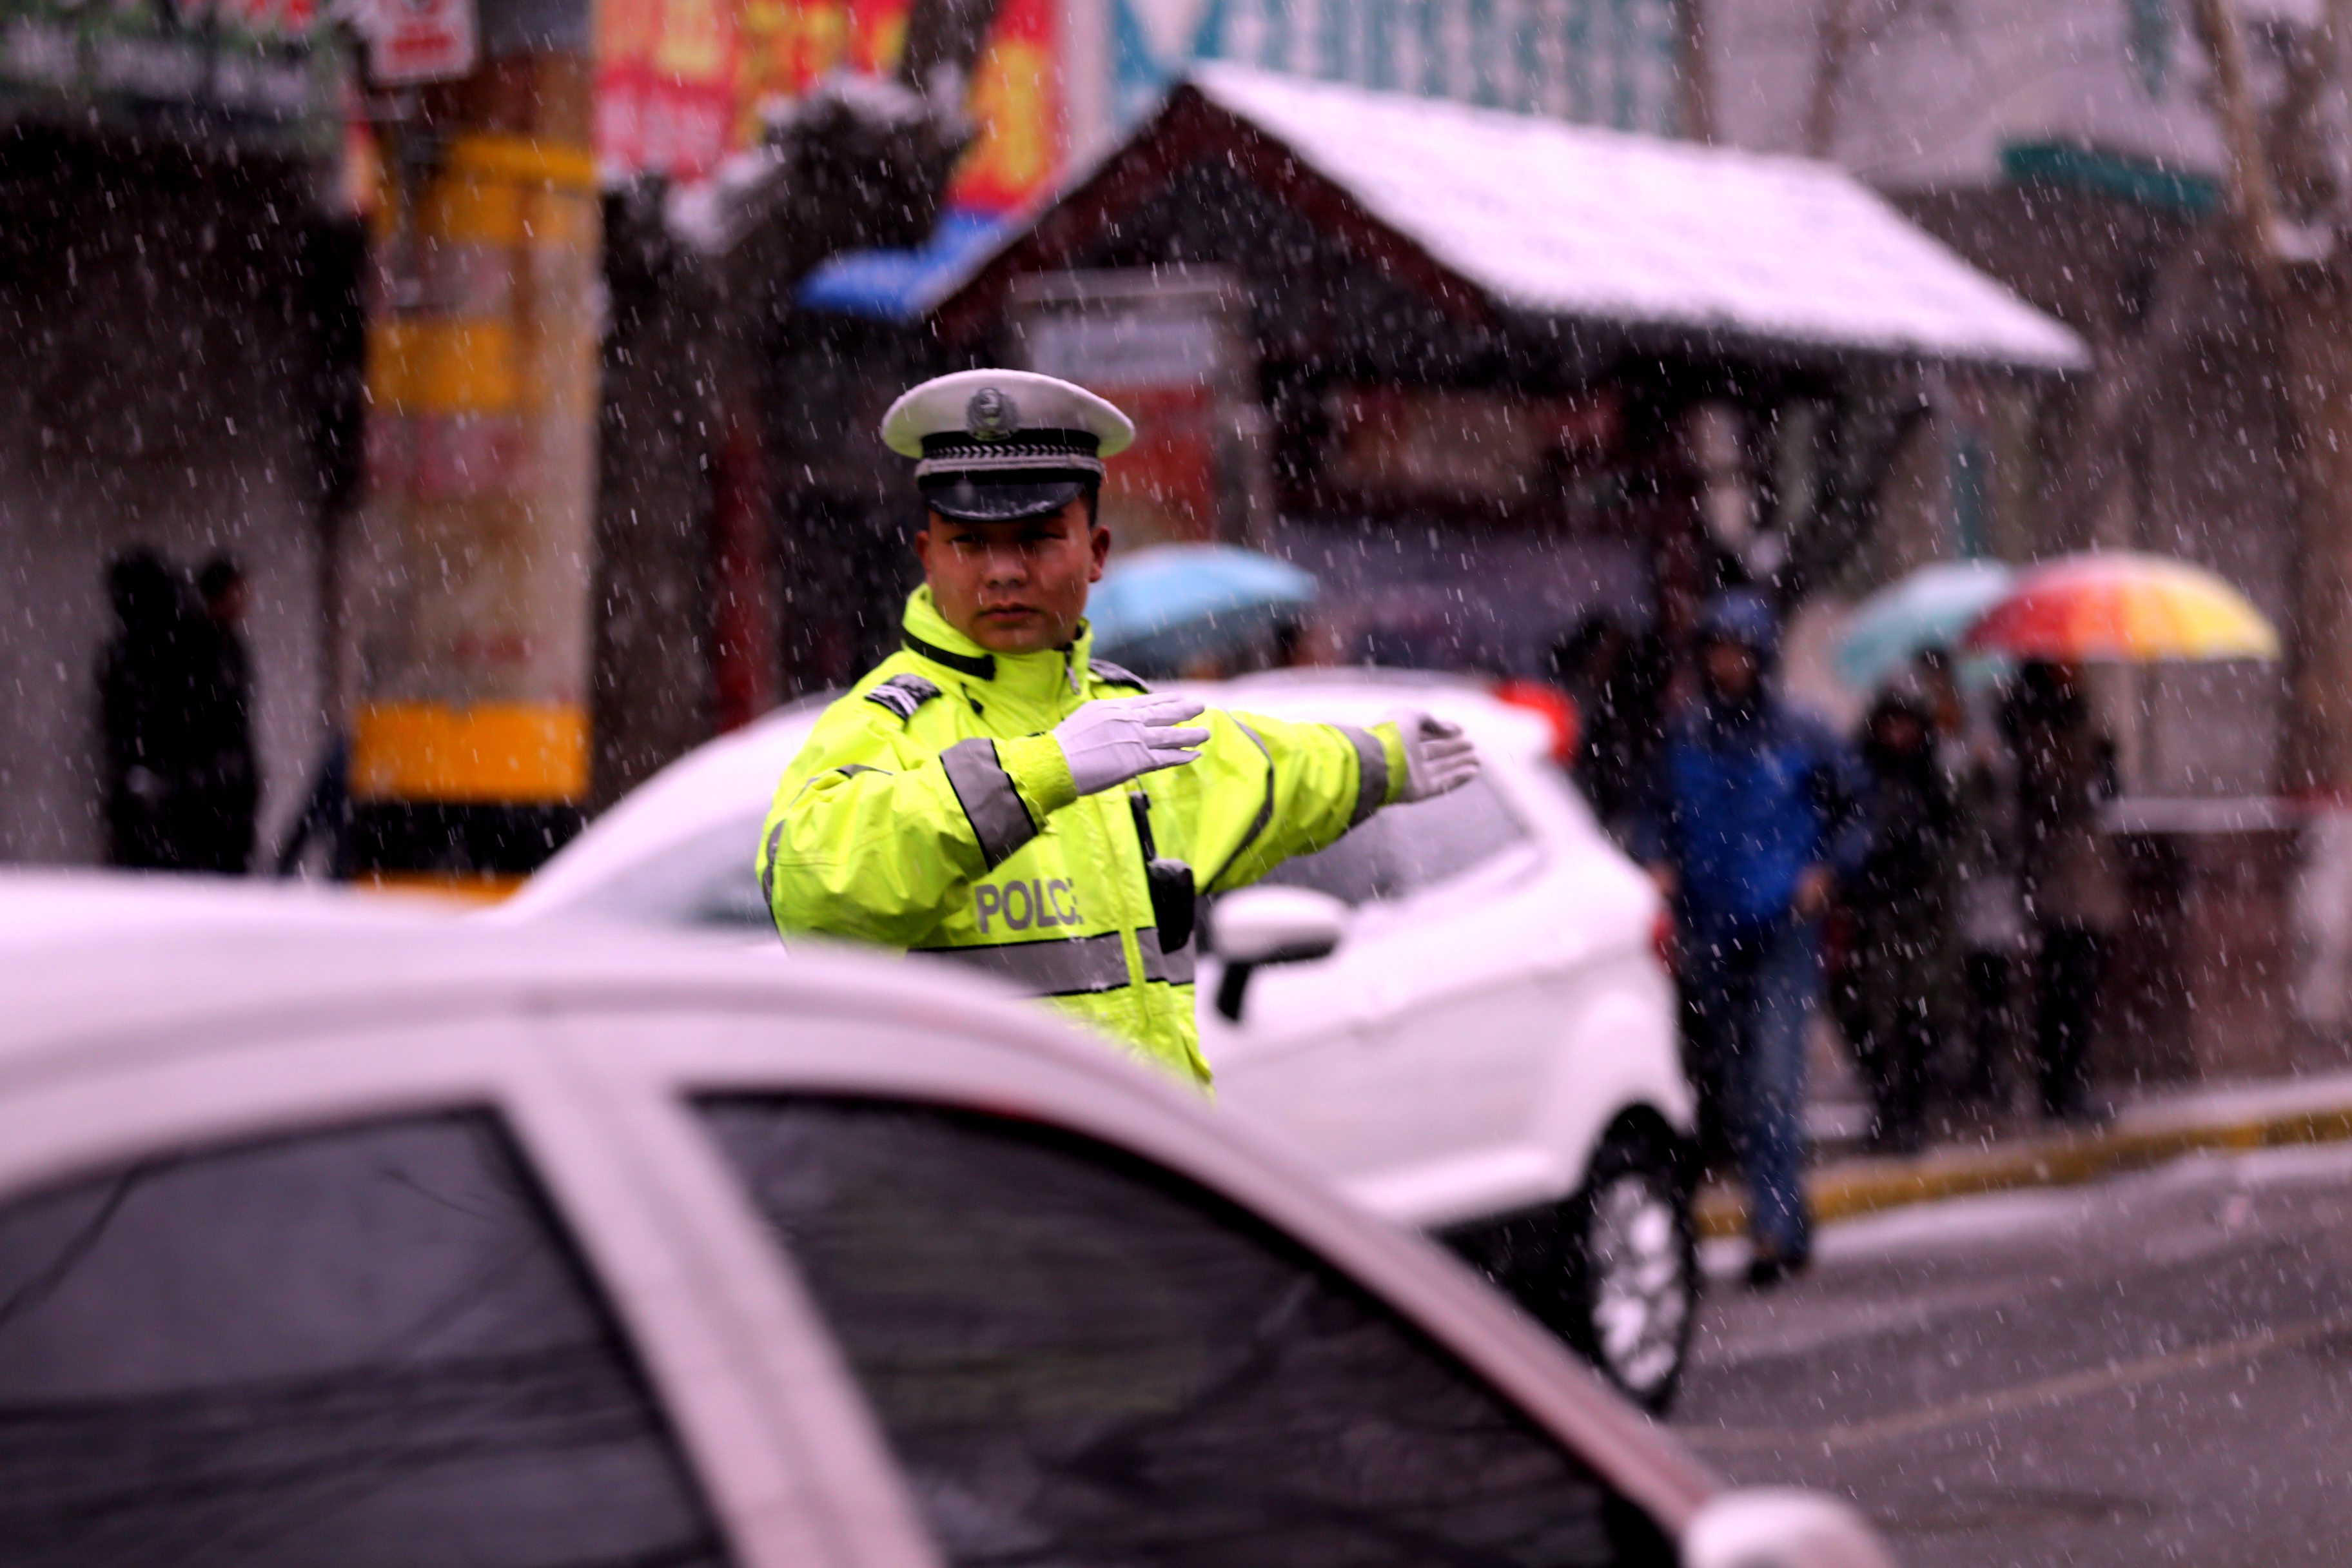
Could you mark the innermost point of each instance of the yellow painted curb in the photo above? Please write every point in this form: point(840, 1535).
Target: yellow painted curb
point(463, 888)
point(1852, 1188)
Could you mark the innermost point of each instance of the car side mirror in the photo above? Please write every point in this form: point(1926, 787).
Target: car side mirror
point(1776, 1527)
point(1258, 926)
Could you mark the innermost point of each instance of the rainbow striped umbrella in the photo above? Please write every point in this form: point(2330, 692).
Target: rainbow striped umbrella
point(2125, 606)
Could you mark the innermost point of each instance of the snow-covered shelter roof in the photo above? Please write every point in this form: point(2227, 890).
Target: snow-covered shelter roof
point(1543, 218)
point(1560, 219)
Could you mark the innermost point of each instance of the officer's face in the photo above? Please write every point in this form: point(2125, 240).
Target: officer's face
point(1014, 587)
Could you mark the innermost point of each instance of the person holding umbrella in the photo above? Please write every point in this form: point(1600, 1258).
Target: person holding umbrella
point(2117, 606)
point(2074, 876)
point(995, 795)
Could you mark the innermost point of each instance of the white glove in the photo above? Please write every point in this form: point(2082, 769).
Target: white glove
point(1438, 757)
point(1111, 741)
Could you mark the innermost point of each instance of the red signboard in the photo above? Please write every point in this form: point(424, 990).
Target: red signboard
point(665, 85)
point(421, 40)
point(682, 83)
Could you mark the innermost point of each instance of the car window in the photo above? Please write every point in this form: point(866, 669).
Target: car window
point(1431, 841)
point(1404, 848)
point(359, 1347)
point(1078, 1358)
point(1355, 870)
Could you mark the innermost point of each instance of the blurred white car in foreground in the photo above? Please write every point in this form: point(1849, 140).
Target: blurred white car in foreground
point(1464, 1021)
point(330, 1234)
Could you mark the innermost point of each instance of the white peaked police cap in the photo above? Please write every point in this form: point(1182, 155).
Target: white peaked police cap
point(1001, 445)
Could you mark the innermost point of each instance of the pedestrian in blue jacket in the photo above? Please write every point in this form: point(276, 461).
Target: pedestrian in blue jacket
point(1753, 815)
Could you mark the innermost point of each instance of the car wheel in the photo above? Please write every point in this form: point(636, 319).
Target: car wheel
point(1612, 1269)
point(1634, 1265)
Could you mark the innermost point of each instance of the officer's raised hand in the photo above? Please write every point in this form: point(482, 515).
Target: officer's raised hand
point(1111, 741)
point(1438, 757)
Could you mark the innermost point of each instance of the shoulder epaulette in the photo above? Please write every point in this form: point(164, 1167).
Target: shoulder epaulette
point(1103, 671)
point(902, 694)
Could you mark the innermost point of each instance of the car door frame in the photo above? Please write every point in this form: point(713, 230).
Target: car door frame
point(1506, 1165)
point(996, 1060)
point(219, 1082)
point(1466, 1175)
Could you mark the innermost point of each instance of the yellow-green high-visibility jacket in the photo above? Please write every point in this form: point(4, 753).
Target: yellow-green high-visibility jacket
point(931, 811)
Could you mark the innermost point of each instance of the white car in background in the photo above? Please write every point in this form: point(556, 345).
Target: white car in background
point(331, 1233)
point(1457, 1012)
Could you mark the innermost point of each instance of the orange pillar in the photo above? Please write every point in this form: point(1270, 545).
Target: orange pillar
point(468, 589)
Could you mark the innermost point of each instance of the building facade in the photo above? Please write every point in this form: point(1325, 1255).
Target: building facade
point(176, 273)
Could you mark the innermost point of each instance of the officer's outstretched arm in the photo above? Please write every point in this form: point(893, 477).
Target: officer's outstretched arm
point(1320, 780)
point(1283, 788)
point(870, 837)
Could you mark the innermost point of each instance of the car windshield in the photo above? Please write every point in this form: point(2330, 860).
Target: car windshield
point(706, 879)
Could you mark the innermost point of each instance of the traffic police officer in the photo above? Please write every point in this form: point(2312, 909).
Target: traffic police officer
point(965, 797)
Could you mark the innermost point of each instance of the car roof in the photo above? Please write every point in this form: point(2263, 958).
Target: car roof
point(1349, 695)
point(89, 954)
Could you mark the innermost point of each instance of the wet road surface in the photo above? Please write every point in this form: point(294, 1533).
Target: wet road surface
point(2155, 1369)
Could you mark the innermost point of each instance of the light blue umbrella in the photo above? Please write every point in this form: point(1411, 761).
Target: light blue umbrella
point(1166, 602)
point(1933, 607)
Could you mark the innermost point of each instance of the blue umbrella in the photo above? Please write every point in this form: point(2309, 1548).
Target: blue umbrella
point(1166, 602)
point(1933, 607)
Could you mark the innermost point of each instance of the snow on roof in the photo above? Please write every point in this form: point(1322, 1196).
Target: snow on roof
point(1567, 220)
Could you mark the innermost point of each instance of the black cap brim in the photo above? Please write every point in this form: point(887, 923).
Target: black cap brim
point(1012, 497)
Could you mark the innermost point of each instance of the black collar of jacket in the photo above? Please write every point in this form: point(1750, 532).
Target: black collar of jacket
point(981, 667)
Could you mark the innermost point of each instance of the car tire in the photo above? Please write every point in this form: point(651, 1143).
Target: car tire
point(1612, 1269)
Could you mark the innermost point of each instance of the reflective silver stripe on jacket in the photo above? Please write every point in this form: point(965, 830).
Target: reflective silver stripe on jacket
point(999, 820)
point(1069, 967)
point(1175, 968)
point(1372, 771)
point(768, 870)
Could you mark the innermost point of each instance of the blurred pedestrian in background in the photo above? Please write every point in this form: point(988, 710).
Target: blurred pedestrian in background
point(1617, 676)
point(1753, 813)
point(1988, 913)
point(146, 684)
point(225, 781)
point(1900, 900)
point(2072, 874)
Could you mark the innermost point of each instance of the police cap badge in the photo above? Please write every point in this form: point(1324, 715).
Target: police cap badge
point(1001, 445)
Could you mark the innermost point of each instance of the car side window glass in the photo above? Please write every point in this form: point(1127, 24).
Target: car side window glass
point(733, 899)
point(1079, 1358)
point(1435, 840)
point(366, 1346)
point(1355, 868)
